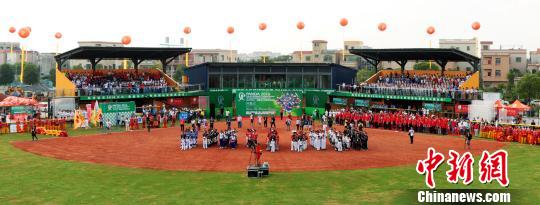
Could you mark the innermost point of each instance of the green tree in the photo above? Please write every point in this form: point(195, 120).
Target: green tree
point(510, 91)
point(500, 88)
point(158, 65)
point(7, 74)
point(425, 66)
point(77, 66)
point(363, 74)
point(529, 87)
point(52, 76)
point(260, 60)
point(282, 58)
point(31, 74)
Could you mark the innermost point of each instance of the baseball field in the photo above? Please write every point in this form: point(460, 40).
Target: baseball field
point(80, 171)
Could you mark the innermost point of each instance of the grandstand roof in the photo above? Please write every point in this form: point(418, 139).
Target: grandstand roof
point(449, 54)
point(135, 54)
point(402, 55)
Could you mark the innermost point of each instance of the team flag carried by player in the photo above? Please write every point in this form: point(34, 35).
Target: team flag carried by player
point(78, 119)
point(96, 113)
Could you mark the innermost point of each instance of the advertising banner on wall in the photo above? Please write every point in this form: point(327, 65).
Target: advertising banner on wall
point(63, 107)
point(117, 110)
point(316, 99)
point(433, 106)
point(361, 103)
point(221, 98)
point(268, 102)
point(339, 101)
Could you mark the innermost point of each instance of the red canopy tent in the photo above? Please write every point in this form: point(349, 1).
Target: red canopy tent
point(499, 104)
point(17, 101)
point(517, 105)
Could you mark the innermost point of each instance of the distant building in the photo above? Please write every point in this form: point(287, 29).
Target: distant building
point(321, 54)
point(46, 63)
point(106, 64)
point(469, 46)
point(200, 56)
point(318, 54)
point(497, 63)
point(351, 60)
point(518, 56)
point(256, 56)
point(534, 61)
point(6, 56)
point(534, 56)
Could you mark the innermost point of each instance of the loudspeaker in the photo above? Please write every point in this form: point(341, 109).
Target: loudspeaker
point(265, 168)
point(253, 172)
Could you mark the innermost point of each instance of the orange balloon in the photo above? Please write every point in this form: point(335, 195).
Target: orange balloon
point(230, 30)
point(262, 26)
point(343, 22)
point(58, 35)
point(24, 32)
point(430, 30)
point(187, 30)
point(382, 26)
point(476, 25)
point(126, 40)
point(300, 25)
point(12, 29)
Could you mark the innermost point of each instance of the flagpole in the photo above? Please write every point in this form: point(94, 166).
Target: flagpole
point(21, 77)
point(187, 54)
point(430, 47)
point(57, 45)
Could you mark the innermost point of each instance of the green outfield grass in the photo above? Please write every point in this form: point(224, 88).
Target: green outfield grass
point(27, 178)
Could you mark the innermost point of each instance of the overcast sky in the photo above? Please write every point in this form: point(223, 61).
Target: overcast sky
point(506, 22)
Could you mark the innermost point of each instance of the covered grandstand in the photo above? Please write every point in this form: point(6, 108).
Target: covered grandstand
point(272, 88)
point(442, 91)
point(149, 86)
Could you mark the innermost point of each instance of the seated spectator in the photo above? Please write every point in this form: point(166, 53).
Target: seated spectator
point(428, 85)
point(113, 82)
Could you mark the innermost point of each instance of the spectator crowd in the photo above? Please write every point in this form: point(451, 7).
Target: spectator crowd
point(112, 82)
point(407, 84)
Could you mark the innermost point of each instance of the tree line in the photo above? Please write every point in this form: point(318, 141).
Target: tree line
point(8, 73)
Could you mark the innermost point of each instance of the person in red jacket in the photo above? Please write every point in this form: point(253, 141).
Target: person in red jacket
point(258, 153)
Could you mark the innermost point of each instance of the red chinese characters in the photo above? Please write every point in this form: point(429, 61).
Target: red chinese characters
point(461, 167)
point(429, 165)
point(491, 166)
point(494, 166)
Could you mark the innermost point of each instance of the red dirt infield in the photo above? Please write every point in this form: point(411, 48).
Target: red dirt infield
point(159, 149)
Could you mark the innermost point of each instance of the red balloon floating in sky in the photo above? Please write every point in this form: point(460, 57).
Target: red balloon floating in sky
point(382, 26)
point(230, 30)
point(475, 25)
point(300, 25)
point(430, 30)
point(126, 40)
point(58, 35)
point(24, 32)
point(262, 26)
point(187, 30)
point(343, 22)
